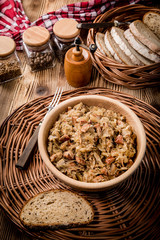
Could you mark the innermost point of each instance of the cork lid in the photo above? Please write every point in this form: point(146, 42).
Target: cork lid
point(7, 46)
point(36, 36)
point(66, 28)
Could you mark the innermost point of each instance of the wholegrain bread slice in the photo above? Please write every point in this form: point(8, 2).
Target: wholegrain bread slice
point(110, 48)
point(101, 44)
point(118, 36)
point(56, 209)
point(149, 56)
point(152, 20)
point(145, 35)
point(124, 58)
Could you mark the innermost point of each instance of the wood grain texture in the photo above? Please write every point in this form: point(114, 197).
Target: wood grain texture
point(33, 85)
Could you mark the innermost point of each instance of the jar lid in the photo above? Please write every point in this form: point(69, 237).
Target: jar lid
point(36, 36)
point(7, 46)
point(66, 28)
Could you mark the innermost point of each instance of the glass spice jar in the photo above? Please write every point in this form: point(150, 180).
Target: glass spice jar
point(64, 33)
point(37, 45)
point(10, 66)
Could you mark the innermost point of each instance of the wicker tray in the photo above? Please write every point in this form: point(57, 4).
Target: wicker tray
point(133, 77)
point(129, 211)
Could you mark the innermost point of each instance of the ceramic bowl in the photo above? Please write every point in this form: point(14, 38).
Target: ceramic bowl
point(101, 101)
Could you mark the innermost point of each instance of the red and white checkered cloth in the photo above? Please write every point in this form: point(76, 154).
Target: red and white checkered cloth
point(13, 20)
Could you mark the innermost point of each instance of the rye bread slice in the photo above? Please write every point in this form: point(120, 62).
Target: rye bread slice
point(148, 56)
point(152, 20)
point(101, 44)
point(118, 36)
point(124, 58)
point(110, 47)
point(145, 35)
point(56, 209)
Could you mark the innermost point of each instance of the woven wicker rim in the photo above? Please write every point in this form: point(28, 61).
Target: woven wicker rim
point(132, 77)
point(128, 211)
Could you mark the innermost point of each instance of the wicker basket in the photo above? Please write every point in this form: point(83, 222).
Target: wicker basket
point(133, 77)
point(126, 212)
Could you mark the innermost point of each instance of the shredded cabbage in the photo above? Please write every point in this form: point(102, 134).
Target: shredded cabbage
point(91, 144)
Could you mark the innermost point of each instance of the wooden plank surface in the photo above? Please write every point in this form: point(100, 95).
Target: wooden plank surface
point(33, 85)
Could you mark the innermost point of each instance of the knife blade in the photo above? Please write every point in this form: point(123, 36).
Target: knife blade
point(101, 25)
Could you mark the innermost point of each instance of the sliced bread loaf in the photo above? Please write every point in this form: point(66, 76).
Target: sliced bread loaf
point(110, 48)
point(101, 44)
point(124, 58)
point(152, 20)
point(149, 56)
point(145, 35)
point(118, 35)
point(55, 209)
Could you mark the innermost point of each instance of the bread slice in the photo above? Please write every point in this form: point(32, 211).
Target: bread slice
point(149, 56)
point(118, 35)
point(110, 48)
point(124, 58)
point(101, 44)
point(145, 35)
point(152, 20)
point(56, 209)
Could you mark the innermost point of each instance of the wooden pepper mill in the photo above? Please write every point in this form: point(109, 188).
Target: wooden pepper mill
point(78, 65)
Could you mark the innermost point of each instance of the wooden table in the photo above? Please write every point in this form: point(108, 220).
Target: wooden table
point(34, 85)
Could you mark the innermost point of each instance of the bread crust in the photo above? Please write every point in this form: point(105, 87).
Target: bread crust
point(58, 225)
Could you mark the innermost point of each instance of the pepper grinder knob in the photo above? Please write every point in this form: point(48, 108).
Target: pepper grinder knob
point(77, 42)
point(77, 51)
point(77, 55)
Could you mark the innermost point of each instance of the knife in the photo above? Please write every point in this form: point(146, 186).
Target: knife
point(101, 25)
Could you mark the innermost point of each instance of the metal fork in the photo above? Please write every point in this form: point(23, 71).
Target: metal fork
point(23, 161)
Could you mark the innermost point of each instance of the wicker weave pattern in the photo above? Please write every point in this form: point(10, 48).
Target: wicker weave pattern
point(129, 211)
point(133, 77)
